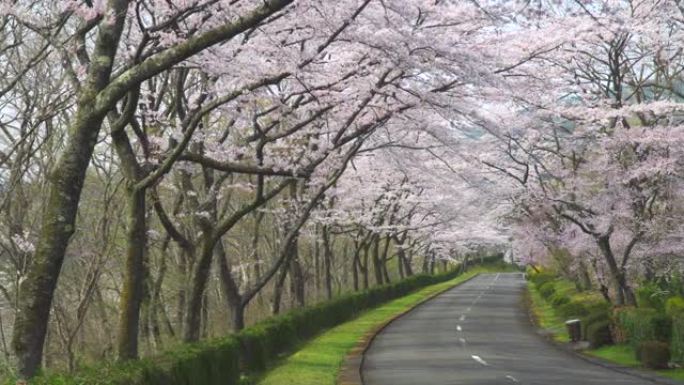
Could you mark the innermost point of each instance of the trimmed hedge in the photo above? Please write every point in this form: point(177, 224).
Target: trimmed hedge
point(265, 341)
point(659, 319)
point(594, 316)
point(223, 361)
point(573, 309)
point(654, 354)
point(598, 334)
point(541, 278)
point(210, 363)
point(641, 325)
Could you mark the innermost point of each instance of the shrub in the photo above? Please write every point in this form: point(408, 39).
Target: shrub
point(654, 354)
point(558, 299)
point(547, 289)
point(210, 363)
point(674, 306)
point(652, 296)
point(595, 316)
point(573, 309)
point(222, 361)
point(541, 278)
point(598, 334)
point(662, 327)
point(641, 325)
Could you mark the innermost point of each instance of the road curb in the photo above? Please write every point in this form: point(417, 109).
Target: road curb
point(350, 372)
point(565, 347)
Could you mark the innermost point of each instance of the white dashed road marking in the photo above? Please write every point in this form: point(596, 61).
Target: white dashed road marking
point(480, 360)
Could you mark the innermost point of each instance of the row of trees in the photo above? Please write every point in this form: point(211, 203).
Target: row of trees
point(595, 146)
point(170, 165)
point(173, 170)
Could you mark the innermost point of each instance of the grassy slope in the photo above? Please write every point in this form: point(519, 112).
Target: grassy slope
point(546, 316)
point(318, 362)
point(619, 354)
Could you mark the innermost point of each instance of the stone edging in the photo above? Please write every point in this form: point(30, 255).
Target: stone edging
point(350, 371)
point(567, 348)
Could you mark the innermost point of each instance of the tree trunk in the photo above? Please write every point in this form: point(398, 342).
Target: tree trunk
point(278, 289)
point(355, 270)
point(238, 311)
point(377, 264)
point(199, 285)
point(298, 285)
point(59, 218)
point(364, 267)
point(316, 254)
point(205, 315)
point(383, 260)
point(327, 262)
point(625, 295)
point(400, 265)
point(132, 293)
point(37, 290)
point(258, 217)
point(230, 289)
point(408, 264)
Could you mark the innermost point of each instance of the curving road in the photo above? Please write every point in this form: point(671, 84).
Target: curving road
point(477, 334)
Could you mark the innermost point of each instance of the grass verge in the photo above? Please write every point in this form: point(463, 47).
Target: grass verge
point(318, 361)
point(622, 354)
point(626, 356)
point(546, 316)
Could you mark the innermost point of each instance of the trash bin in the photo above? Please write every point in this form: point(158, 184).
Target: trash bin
point(574, 329)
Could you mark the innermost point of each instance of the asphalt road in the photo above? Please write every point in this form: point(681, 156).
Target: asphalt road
point(477, 334)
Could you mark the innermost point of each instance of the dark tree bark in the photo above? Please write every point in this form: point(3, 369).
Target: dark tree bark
point(59, 219)
point(132, 293)
point(384, 260)
point(297, 283)
point(327, 262)
point(363, 266)
point(278, 290)
point(230, 289)
point(625, 294)
point(97, 96)
point(377, 263)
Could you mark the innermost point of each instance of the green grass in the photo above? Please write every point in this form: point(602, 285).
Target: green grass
point(626, 356)
point(546, 316)
point(620, 354)
point(319, 361)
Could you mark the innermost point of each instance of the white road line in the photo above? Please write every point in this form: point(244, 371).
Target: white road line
point(459, 328)
point(497, 277)
point(468, 309)
point(462, 317)
point(513, 379)
point(480, 360)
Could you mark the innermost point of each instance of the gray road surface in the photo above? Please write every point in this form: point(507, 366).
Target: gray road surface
point(477, 334)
